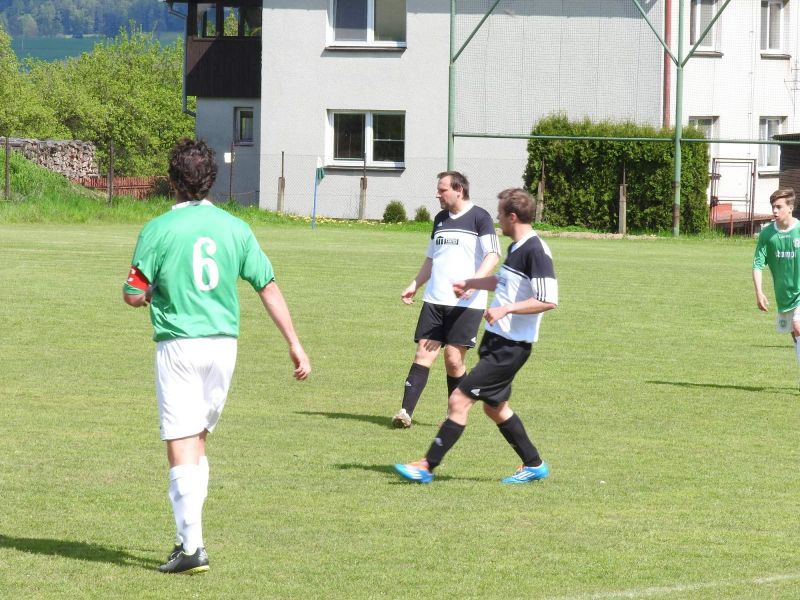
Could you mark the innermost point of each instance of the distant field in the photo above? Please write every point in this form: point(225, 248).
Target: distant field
point(57, 48)
point(660, 396)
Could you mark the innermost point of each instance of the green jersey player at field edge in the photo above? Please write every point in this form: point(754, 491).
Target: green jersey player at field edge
point(185, 268)
point(778, 248)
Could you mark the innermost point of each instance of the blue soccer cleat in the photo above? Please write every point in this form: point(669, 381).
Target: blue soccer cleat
point(417, 471)
point(527, 474)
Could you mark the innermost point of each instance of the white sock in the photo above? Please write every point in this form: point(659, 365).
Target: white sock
point(797, 349)
point(173, 498)
point(187, 504)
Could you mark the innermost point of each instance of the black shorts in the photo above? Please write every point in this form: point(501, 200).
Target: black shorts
point(500, 359)
point(453, 325)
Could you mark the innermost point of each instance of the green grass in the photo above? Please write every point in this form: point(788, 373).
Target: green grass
point(660, 396)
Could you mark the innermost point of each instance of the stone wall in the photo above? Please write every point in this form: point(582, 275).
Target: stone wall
point(72, 158)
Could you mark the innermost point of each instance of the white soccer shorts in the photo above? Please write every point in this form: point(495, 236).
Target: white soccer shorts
point(193, 376)
point(783, 324)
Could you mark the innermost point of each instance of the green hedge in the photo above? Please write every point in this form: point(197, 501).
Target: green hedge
point(582, 177)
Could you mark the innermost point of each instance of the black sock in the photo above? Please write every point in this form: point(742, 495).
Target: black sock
point(514, 432)
point(448, 435)
point(452, 382)
point(415, 383)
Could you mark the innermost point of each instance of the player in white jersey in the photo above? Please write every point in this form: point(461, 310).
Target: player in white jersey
point(185, 268)
point(463, 244)
point(525, 287)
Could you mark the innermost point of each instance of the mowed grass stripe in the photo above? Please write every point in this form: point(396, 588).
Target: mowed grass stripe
point(658, 393)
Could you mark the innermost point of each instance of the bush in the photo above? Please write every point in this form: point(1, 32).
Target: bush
point(582, 177)
point(395, 212)
point(422, 215)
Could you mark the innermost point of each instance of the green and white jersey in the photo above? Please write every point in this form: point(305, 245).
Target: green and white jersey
point(193, 257)
point(779, 250)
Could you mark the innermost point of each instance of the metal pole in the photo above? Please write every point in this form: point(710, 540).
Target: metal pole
point(281, 187)
point(7, 190)
point(451, 90)
point(676, 178)
point(110, 179)
point(362, 193)
point(539, 209)
point(622, 226)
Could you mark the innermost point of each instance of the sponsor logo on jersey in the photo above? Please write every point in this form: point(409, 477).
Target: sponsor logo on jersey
point(475, 391)
point(474, 340)
point(439, 224)
point(796, 242)
point(785, 254)
point(442, 241)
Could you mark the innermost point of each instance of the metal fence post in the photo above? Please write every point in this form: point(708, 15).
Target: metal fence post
point(362, 194)
point(281, 187)
point(110, 179)
point(539, 210)
point(7, 188)
point(622, 226)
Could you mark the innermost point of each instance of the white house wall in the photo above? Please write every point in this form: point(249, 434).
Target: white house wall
point(302, 81)
point(739, 86)
point(215, 124)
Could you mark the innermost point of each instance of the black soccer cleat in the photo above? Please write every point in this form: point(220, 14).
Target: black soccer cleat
point(188, 564)
point(176, 549)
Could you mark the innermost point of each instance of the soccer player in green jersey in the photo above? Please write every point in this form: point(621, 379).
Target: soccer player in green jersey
point(185, 268)
point(778, 247)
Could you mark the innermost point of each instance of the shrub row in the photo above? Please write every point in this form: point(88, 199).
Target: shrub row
point(582, 177)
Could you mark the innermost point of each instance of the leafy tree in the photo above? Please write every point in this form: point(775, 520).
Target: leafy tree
point(23, 112)
point(126, 92)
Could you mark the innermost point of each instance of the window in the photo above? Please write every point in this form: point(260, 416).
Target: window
point(769, 155)
point(243, 125)
point(771, 24)
point(206, 22)
point(702, 12)
point(710, 128)
point(375, 137)
point(369, 22)
point(229, 18)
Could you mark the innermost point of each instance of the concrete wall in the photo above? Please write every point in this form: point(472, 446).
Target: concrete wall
point(215, 124)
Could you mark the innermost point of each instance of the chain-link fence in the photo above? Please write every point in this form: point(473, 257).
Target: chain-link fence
point(349, 194)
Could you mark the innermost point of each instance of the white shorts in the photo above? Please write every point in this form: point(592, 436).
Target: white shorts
point(193, 376)
point(783, 324)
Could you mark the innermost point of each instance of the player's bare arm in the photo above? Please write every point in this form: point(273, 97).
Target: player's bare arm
point(275, 304)
point(424, 274)
point(461, 288)
point(531, 306)
point(761, 299)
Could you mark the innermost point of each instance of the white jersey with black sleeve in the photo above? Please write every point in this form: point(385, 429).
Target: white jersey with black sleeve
point(458, 245)
point(526, 273)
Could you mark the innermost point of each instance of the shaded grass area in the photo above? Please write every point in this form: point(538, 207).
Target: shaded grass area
point(658, 393)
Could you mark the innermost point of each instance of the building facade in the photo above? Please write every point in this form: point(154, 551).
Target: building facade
point(362, 86)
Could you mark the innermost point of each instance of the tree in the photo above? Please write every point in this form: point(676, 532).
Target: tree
point(23, 112)
point(128, 92)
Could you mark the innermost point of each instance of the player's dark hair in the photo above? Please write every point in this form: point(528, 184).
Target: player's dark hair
point(785, 194)
point(458, 182)
point(517, 201)
point(192, 168)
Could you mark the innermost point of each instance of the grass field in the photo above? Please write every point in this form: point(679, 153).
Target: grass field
point(660, 396)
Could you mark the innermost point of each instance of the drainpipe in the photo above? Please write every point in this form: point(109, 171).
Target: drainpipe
point(185, 101)
point(667, 64)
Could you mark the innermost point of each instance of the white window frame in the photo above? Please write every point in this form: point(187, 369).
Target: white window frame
point(369, 141)
point(696, 27)
point(709, 124)
point(765, 25)
point(370, 42)
point(769, 157)
point(238, 140)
